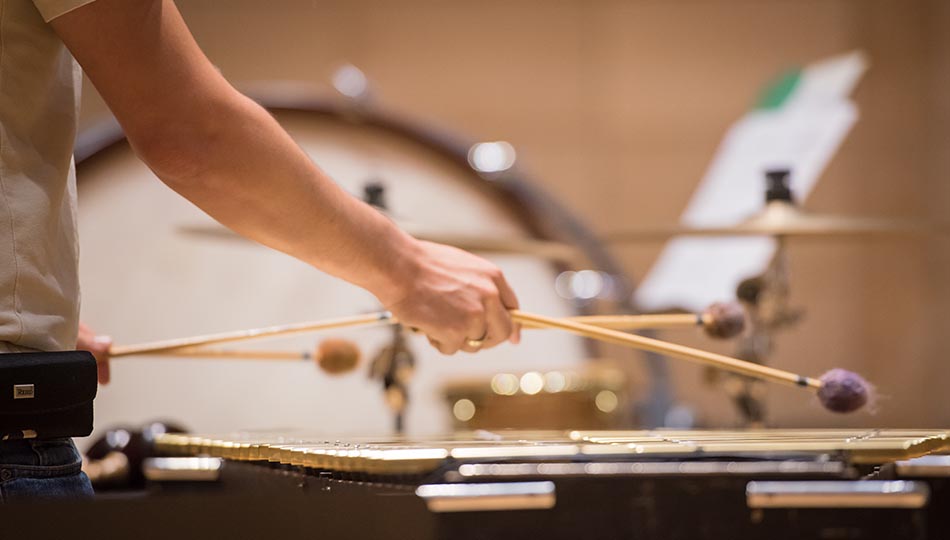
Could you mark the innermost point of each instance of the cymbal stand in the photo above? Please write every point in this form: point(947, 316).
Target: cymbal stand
point(394, 366)
point(766, 299)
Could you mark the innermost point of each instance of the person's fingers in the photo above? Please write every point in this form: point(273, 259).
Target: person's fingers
point(498, 320)
point(476, 324)
point(508, 297)
point(515, 337)
point(101, 347)
point(442, 348)
point(104, 373)
point(510, 301)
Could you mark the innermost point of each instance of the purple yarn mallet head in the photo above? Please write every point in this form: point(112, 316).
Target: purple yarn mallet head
point(843, 391)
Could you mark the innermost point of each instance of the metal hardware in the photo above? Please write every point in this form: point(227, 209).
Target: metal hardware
point(650, 468)
point(487, 497)
point(837, 494)
point(23, 391)
point(924, 467)
point(183, 469)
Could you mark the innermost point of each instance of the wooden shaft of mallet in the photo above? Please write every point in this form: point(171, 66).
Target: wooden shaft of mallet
point(636, 322)
point(255, 333)
point(166, 347)
point(616, 322)
point(671, 349)
point(244, 354)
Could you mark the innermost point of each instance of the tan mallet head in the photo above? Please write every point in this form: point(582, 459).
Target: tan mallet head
point(724, 320)
point(337, 356)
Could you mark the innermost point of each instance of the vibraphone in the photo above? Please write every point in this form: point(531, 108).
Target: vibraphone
point(775, 484)
point(599, 484)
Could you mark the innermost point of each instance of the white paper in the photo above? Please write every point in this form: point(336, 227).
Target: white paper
point(803, 135)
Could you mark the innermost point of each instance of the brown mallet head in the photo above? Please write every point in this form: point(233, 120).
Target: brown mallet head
point(724, 320)
point(337, 356)
point(844, 391)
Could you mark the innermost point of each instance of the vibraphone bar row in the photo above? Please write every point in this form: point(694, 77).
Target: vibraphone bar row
point(405, 457)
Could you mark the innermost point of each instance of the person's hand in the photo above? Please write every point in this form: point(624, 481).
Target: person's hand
point(456, 299)
point(99, 346)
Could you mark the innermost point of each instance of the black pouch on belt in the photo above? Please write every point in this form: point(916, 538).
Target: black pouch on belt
point(46, 394)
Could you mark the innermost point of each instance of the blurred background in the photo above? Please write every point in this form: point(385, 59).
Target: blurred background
point(616, 110)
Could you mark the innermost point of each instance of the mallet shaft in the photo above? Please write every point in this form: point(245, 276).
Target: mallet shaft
point(671, 349)
point(636, 322)
point(244, 354)
point(255, 333)
point(628, 322)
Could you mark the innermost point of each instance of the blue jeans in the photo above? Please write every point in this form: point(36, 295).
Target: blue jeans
point(49, 469)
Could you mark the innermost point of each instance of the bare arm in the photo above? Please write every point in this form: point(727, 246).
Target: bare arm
point(227, 155)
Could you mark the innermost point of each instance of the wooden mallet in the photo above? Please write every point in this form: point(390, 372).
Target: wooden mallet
point(838, 390)
point(334, 356)
point(722, 320)
point(719, 320)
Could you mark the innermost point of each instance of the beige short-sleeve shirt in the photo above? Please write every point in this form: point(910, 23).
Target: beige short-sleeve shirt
point(39, 100)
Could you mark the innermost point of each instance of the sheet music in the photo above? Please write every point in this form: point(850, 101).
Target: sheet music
point(801, 135)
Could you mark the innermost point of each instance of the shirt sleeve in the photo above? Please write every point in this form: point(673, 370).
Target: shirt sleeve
point(50, 9)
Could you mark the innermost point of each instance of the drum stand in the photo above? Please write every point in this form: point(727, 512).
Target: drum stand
point(394, 366)
point(766, 299)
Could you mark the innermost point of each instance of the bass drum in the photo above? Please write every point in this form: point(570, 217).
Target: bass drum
point(145, 278)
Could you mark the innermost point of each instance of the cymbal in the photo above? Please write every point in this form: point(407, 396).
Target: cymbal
point(782, 219)
point(554, 251)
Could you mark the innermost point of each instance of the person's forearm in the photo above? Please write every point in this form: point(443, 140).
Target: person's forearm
point(235, 162)
point(222, 151)
point(229, 157)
